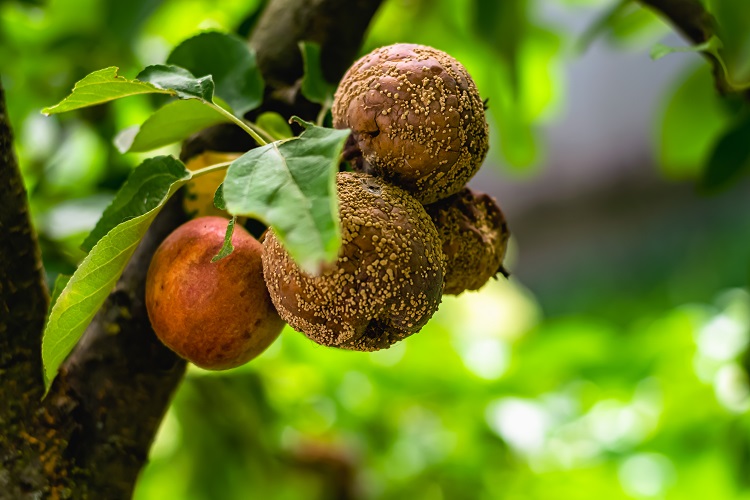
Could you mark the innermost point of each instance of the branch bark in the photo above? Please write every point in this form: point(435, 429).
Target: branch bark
point(338, 26)
point(23, 292)
point(90, 436)
point(688, 16)
point(23, 305)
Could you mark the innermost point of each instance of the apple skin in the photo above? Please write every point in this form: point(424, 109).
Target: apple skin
point(217, 315)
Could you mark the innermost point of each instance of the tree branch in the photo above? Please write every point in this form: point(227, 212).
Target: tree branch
point(23, 293)
point(118, 382)
point(338, 26)
point(90, 437)
point(696, 24)
point(688, 16)
point(23, 305)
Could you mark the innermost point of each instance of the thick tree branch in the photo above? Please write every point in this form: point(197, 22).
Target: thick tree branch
point(23, 292)
point(688, 16)
point(90, 437)
point(338, 26)
point(118, 382)
point(23, 305)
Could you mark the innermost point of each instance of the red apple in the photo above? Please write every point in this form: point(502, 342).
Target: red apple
point(217, 315)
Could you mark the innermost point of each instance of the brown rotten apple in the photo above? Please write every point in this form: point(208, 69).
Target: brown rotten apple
point(386, 283)
point(217, 315)
point(474, 235)
point(416, 115)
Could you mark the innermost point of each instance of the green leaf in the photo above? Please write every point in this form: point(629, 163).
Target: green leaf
point(730, 159)
point(227, 248)
point(179, 81)
point(733, 19)
point(713, 46)
point(275, 124)
point(171, 123)
point(91, 283)
point(219, 198)
point(314, 86)
point(659, 50)
point(693, 121)
point(104, 86)
point(99, 87)
point(142, 191)
point(230, 62)
point(291, 186)
point(60, 282)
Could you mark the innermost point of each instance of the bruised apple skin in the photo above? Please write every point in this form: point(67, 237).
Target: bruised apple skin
point(217, 315)
point(386, 283)
point(475, 237)
point(416, 115)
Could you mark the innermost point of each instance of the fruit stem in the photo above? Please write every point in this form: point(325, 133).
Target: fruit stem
point(240, 123)
point(210, 168)
point(323, 111)
point(260, 131)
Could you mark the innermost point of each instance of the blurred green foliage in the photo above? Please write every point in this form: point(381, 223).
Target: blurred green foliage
point(490, 400)
point(629, 383)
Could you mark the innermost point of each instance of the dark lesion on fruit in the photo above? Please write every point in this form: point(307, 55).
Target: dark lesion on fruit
point(376, 335)
point(371, 134)
point(371, 186)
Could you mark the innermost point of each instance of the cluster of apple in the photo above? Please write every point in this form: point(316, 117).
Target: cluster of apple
point(411, 229)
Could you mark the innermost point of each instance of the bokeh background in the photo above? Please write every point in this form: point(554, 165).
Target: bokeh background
point(613, 363)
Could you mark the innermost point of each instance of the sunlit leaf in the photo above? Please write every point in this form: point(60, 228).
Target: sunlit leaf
point(102, 86)
point(230, 62)
point(60, 282)
point(91, 283)
point(291, 186)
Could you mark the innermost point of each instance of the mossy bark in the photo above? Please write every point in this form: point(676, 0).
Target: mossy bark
point(90, 436)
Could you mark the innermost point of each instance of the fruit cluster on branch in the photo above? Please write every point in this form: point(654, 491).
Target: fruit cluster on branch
point(410, 228)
